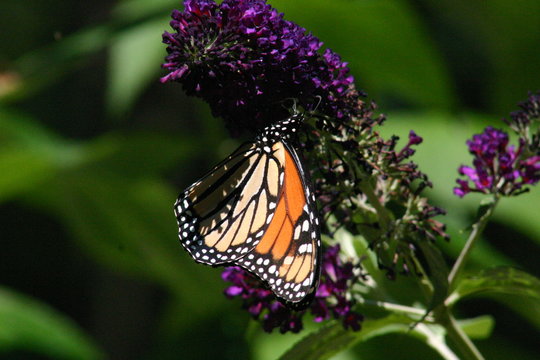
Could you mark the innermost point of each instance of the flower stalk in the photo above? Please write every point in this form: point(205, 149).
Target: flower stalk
point(466, 347)
point(443, 314)
point(396, 308)
point(475, 234)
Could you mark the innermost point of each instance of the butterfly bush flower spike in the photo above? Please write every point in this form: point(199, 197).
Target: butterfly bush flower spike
point(332, 299)
point(500, 168)
point(245, 59)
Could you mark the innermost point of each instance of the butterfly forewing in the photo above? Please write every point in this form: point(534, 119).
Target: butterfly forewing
point(221, 217)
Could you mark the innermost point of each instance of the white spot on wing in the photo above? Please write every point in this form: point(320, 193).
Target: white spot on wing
point(297, 232)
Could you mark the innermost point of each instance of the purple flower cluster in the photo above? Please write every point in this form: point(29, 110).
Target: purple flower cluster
point(497, 167)
point(244, 59)
point(332, 298)
point(521, 120)
point(259, 301)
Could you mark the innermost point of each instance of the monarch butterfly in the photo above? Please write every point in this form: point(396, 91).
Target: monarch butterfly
point(256, 209)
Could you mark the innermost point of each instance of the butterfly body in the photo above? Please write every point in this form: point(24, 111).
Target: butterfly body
point(256, 209)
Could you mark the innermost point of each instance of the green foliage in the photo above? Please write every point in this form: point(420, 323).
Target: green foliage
point(29, 155)
point(128, 79)
point(331, 339)
point(498, 280)
point(26, 324)
point(443, 68)
point(479, 327)
point(399, 62)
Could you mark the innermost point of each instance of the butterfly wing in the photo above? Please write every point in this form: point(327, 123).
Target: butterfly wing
point(256, 209)
point(224, 215)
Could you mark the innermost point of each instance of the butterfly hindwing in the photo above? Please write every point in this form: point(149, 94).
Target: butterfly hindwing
point(287, 257)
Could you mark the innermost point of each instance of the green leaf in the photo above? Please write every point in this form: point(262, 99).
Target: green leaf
point(135, 10)
point(512, 52)
point(527, 307)
point(108, 194)
point(498, 280)
point(333, 338)
point(129, 219)
point(479, 327)
point(128, 225)
point(18, 129)
point(135, 58)
point(141, 155)
point(495, 46)
point(26, 324)
point(21, 170)
point(29, 154)
point(40, 68)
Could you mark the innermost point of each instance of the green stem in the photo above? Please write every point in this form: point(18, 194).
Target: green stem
point(443, 314)
point(477, 230)
point(466, 347)
point(384, 217)
point(393, 307)
point(424, 281)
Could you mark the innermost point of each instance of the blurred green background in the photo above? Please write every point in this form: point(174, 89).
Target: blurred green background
point(94, 150)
